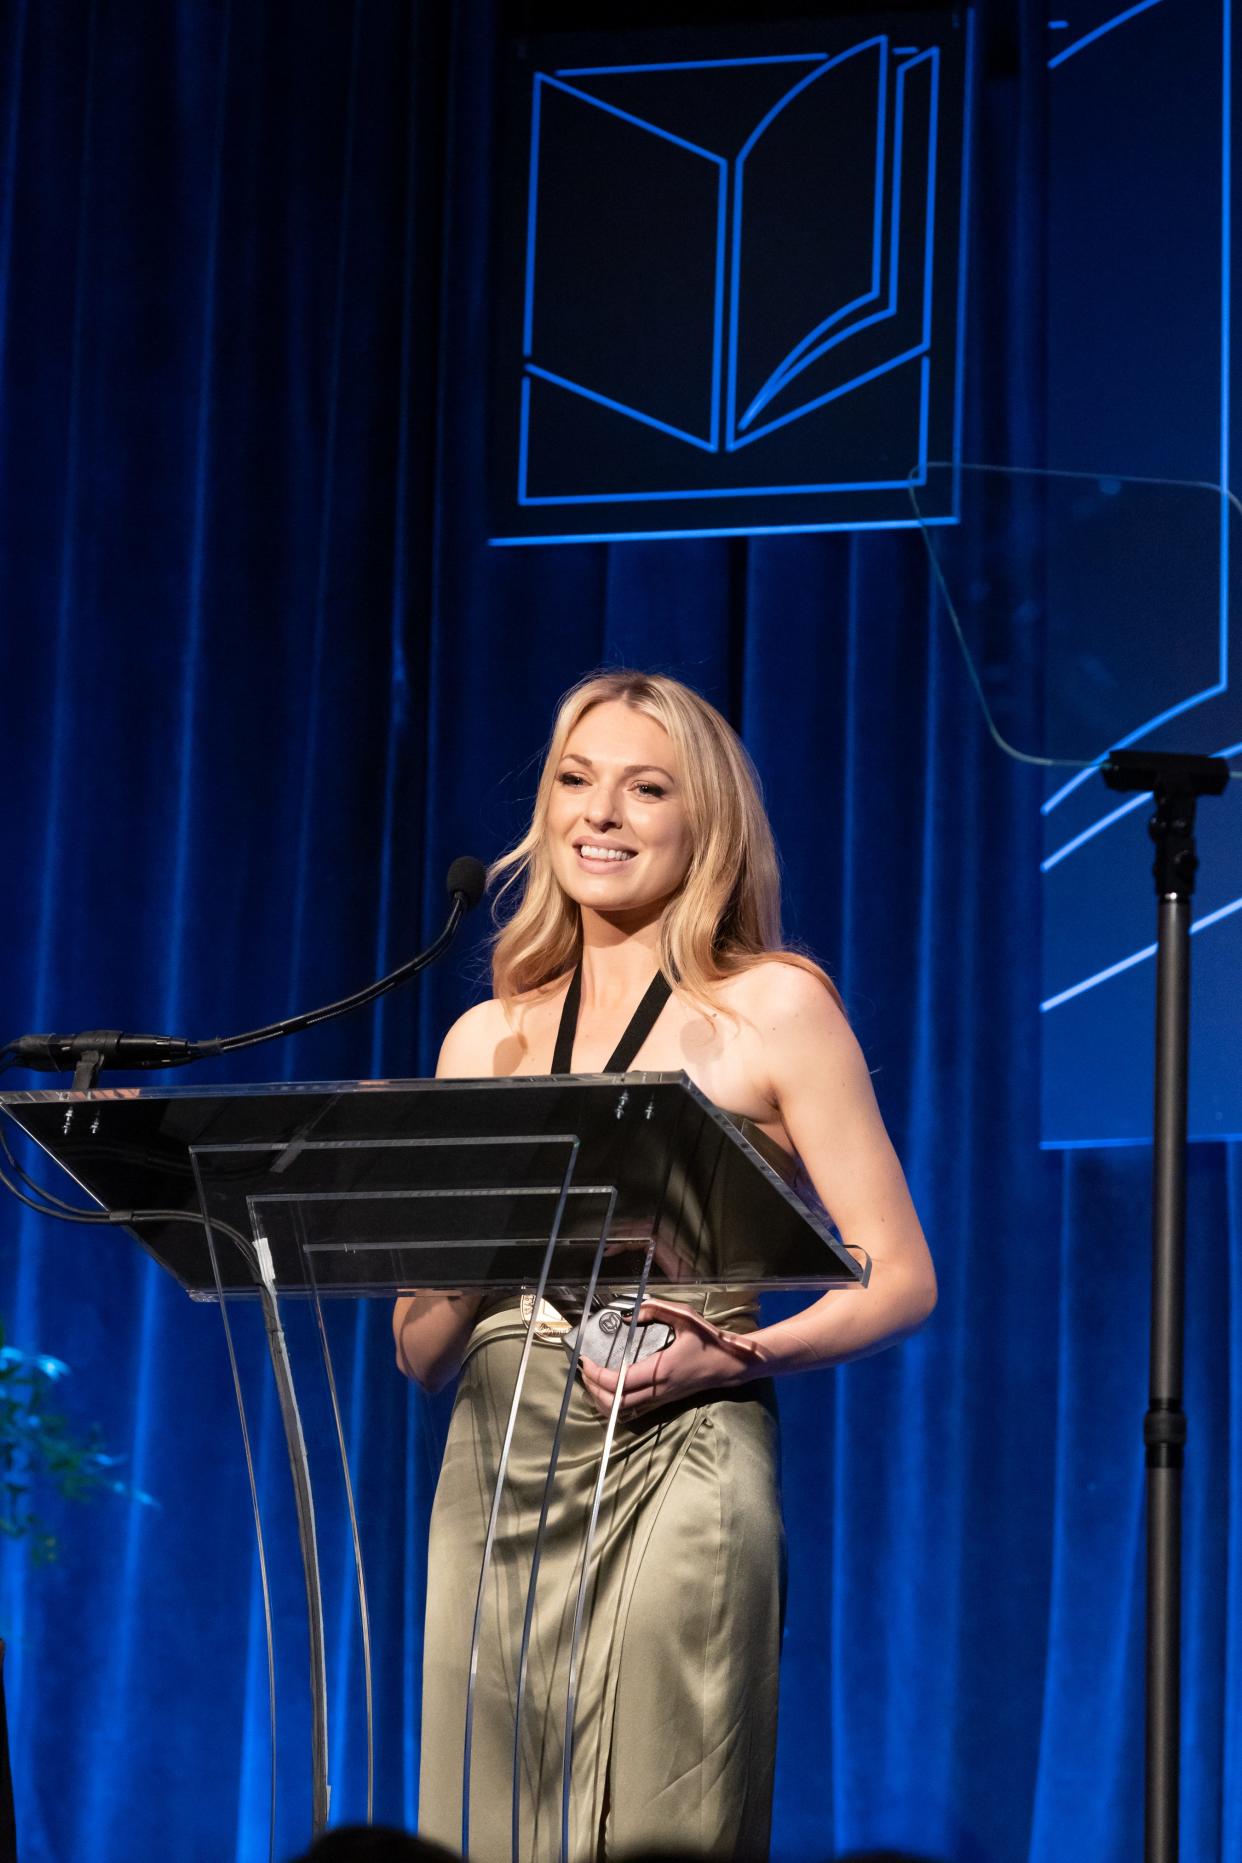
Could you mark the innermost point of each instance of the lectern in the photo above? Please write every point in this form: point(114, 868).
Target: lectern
point(602, 1185)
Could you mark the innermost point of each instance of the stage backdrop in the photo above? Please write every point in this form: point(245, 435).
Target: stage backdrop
point(263, 680)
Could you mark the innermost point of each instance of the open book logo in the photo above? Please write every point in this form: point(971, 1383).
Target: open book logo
point(740, 276)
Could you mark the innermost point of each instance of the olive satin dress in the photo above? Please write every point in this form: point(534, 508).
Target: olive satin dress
point(675, 1717)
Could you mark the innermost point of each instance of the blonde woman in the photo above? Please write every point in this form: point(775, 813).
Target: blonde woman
point(646, 933)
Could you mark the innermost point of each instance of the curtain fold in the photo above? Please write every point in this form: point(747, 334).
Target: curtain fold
point(265, 680)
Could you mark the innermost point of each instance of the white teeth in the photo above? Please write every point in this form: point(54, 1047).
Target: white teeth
point(605, 853)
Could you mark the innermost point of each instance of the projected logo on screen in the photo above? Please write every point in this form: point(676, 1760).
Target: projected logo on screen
point(734, 284)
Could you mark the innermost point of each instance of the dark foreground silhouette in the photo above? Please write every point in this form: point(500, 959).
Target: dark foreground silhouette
point(382, 1843)
point(372, 1843)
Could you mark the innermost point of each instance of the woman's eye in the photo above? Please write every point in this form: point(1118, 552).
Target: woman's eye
point(571, 779)
point(650, 789)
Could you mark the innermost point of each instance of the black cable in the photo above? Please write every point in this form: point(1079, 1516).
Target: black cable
point(65, 1215)
point(63, 1212)
point(74, 1208)
point(122, 1219)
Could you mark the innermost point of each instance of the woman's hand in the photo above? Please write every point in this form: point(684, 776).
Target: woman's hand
point(698, 1358)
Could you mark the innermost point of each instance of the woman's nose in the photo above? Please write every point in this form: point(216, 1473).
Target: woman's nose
point(601, 807)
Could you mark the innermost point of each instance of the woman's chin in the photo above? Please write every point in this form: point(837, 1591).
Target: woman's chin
point(632, 914)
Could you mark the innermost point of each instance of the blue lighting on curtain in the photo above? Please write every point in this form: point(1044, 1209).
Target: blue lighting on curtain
point(266, 678)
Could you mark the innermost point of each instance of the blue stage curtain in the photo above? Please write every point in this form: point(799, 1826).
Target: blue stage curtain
point(263, 680)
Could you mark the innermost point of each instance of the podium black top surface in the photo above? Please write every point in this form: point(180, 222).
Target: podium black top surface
point(365, 1186)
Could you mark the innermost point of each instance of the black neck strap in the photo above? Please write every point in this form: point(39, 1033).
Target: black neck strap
point(637, 1029)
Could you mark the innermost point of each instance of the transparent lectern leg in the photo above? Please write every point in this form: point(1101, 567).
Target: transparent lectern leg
point(571, 1691)
point(502, 1470)
point(364, 1614)
point(260, 1544)
point(541, 1531)
point(304, 1503)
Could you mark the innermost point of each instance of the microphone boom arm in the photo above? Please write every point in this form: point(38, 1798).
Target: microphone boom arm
point(94, 1049)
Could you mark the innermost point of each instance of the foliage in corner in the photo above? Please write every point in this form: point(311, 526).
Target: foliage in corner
point(38, 1446)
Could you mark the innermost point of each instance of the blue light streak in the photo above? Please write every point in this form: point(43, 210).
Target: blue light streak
point(771, 388)
point(717, 530)
point(1135, 957)
point(525, 497)
point(786, 371)
point(1079, 840)
point(627, 116)
point(812, 77)
point(690, 64)
point(1213, 918)
point(726, 491)
point(1101, 976)
point(718, 316)
point(1226, 287)
point(528, 313)
point(1109, 25)
point(523, 440)
point(1113, 1144)
point(620, 407)
point(968, 101)
point(835, 394)
point(735, 272)
point(929, 235)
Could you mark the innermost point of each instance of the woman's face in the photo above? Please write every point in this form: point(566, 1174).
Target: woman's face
point(618, 830)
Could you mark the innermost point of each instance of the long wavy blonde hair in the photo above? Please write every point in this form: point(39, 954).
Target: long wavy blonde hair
point(726, 915)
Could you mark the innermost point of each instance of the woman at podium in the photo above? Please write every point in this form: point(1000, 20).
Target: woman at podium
point(644, 932)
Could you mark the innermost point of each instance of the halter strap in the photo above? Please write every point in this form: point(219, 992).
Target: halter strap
point(636, 1031)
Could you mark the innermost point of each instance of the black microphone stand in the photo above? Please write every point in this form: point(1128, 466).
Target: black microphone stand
point(1176, 783)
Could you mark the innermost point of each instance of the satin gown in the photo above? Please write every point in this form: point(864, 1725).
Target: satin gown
point(674, 1727)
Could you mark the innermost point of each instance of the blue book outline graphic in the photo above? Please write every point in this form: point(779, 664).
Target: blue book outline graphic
point(734, 409)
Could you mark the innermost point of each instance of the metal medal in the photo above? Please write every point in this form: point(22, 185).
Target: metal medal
point(550, 1324)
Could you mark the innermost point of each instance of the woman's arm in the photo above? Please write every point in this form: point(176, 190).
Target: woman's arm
point(431, 1331)
point(817, 1079)
point(819, 1083)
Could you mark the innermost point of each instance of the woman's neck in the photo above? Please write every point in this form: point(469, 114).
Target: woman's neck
point(619, 959)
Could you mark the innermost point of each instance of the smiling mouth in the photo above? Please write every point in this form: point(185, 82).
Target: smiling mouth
point(593, 851)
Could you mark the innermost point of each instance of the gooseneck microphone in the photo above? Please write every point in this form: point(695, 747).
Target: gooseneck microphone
point(94, 1049)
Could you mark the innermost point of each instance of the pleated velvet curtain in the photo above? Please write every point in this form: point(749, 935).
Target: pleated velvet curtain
point(263, 679)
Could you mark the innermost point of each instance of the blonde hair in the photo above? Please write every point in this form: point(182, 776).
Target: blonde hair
point(726, 916)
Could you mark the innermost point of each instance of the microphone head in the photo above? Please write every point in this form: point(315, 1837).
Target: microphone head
point(467, 880)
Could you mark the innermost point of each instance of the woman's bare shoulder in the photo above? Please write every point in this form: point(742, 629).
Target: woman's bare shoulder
point(488, 1038)
point(776, 990)
point(468, 1050)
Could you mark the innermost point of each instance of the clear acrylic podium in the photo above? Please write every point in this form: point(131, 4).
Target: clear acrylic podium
point(601, 1185)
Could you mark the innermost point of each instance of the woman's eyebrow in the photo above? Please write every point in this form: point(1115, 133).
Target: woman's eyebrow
point(631, 769)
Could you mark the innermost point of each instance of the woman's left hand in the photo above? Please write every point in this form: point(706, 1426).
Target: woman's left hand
point(698, 1358)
